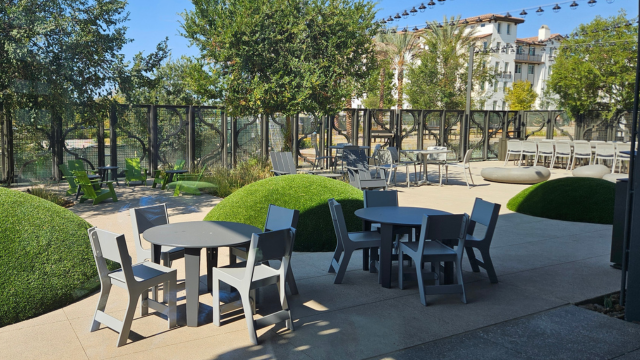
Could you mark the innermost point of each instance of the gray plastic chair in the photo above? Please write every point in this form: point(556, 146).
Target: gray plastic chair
point(136, 279)
point(358, 170)
point(347, 242)
point(277, 218)
point(486, 214)
point(605, 151)
point(436, 159)
point(514, 147)
point(143, 219)
point(581, 150)
point(273, 245)
point(428, 248)
point(620, 157)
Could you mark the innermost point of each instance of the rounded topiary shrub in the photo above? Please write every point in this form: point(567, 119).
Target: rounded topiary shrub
point(307, 193)
point(570, 199)
point(45, 256)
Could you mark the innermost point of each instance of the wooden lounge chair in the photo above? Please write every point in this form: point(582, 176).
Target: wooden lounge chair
point(92, 189)
point(133, 172)
point(67, 175)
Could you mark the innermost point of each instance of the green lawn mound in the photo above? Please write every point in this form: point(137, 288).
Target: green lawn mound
point(307, 193)
point(45, 256)
point(569, 199)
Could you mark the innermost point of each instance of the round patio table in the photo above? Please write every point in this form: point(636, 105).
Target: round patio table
point(193, 236)
point(390, 217)
point(104, 170)
point(170, 174)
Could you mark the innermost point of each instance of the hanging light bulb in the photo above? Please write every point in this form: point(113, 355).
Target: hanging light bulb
point(405, 14)
point(556, 8)
point(431, 4)
point(465, 21)
point(397, 17)
point(574, 6)
point(492, 18)
point(413, 11)
point(539, 12)
point(393, 30)
point(592, 3)
point(508, 14)
point(524, 13)
point(390, 19)
point(383, 21)
point(441, 2)
point(452, 23)
point(422, 8)
point(610, 1)
point(478, 19)
point(415, 28)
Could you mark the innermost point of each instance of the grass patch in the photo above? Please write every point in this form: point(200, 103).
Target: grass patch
point(46, 257)
point(307, 193)
point(569, 199)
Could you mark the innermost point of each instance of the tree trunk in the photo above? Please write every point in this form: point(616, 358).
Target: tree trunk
point(383, 75)
point(400, 81)
point(349, 119)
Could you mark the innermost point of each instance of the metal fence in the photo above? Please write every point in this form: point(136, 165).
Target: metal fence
point(34, 142)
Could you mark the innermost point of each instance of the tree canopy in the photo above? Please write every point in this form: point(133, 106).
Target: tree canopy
point(596, 68)
point(286, 56)
point(520, 96)
point(380, 80)
point(439, 79)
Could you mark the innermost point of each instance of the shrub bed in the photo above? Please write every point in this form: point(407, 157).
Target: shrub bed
point(569, 199)
point(307, 193)
point(45, 256)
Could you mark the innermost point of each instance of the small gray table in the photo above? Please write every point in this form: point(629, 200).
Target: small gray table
point(104, 170)
point(170, 174)
point(193, 236)
point(390, 217)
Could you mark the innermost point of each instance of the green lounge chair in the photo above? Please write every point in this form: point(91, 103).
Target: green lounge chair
point(133, 172)
point(67, 175)
point(163, 180)
point(92, 189)
point(190, 183)
point(78, 165)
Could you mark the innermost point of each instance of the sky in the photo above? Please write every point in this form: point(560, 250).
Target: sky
point(150, 21)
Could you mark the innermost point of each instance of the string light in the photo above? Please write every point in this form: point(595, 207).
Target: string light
point(539, 12)
point(556, 8)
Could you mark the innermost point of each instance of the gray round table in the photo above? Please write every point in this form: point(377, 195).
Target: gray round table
point(171, 173)
point(390, 217)
point(193, 236)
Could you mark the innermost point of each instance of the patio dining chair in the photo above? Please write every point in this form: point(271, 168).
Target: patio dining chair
point(545, 150)
point(581, 150)
point(91, 189)
point(485, 214)
point(277, 218)
point(514, 147)
point(143, 219)
point(429, 248)
point(465, 166)
point(133, 171)
point(359, 172)
point(348, 242)
point(436, 159)
point(562, 150)
point(605, 151)
point(273, 245)
point(136, 279)
point(529, 148)
point(620, 157)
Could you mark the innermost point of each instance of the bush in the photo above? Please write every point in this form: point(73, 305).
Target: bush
point(46, 258)
point(51, 196)
point(569, 199)
point(307, 193)
point(305, 144)
point(229, 180)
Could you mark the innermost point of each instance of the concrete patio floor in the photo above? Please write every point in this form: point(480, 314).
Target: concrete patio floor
point(543, 266)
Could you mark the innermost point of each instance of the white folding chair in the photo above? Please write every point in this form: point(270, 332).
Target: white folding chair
point(545, 150)
point(514, 147)
point(429, 248)
point(136, 279)
point(581, 150)
point(529, 148)
point(605, 152)
point(465, 166)
point(562, 150)
point(620, 157)
point(273, 245)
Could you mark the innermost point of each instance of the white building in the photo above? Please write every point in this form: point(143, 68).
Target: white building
point(514, 58)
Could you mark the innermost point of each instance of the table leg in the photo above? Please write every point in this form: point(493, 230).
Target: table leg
point(386, 232)
point(212, 261)
point(366, 226)
point(156, 250)
point(192, 284)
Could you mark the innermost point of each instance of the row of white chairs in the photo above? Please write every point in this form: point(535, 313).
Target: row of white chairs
point(571, 151)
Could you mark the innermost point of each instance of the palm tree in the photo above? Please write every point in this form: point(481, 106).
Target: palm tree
point(399, 47)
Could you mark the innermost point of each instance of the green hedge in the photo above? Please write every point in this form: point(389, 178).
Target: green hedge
point(570, 199)
point(307, 193)
point(45, 259)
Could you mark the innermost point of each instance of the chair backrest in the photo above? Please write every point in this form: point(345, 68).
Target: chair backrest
point(288, 166)
point(605, 149)
point(281, 218)
point(275, 161)
point(314, 141)
point(67, 175)
point(486, 214)
point(204, 167)
point(444, 227)
point(83, 181)
point(110, 246)
point(467, 156)
point(272, 245)
point(144, 218)
point(355, 158)
point(563, 148)
point(545, 147)
point(374, 198)
point(529, 147)
point(75, 165)
point(393, 152)
point(437, 157)
point(179, 165)
point(339, 225)
point(514, 145)
point(132, 165)
point(582, 148)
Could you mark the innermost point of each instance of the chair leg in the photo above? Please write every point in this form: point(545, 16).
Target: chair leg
point(336, 258)
point(423, 296)
point(465, 178)
point(215, 292)
point(283, 302)
point(248, 314)
point(488, 266)
point(291, 281)
point(171, 303)
point(342, 267)
point(460, 280)
point(472, 259)
point(144, 305)
point(128, 319)
point(102, 304)
point(471, 177)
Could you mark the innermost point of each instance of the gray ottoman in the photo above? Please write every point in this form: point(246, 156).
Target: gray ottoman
point(614, 177)
point(517, 175)
point(591, 171)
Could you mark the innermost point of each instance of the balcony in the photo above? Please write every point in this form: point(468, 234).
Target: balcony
point(504, 76)
point(528, 58)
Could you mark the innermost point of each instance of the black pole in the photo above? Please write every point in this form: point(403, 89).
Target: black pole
point(630, 190)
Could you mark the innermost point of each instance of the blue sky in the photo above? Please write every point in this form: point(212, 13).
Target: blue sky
point(153, 20)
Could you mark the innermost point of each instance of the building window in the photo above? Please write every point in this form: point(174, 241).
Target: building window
point(531, 69)
point(520, 50)
point(549, 70)
point(508, 29)
point(498, 27)
point(495, 86)
point(550, 51)
point(472, 26)
point(497, 65)
point(532, 51)
point(482, 25)
point(504, 105)
point(495, 104)
point(504, 86)
point(498, 45)
point(506, 67)
point(485, 44)
point(518, 68)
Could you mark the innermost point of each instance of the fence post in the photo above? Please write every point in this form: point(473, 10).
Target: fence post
point(485, 136)
point(153, 139)
point(443, 135)
point(234, 142)
point(551, 128)
point(58, 146)
point(366, 130)
point(294, 138)
point(191, 138)
point(265, 135)
point(225, 140)
point(420, 142)
point(100, 138)
point(8, 136)
point(329, 134)
point(113, 140)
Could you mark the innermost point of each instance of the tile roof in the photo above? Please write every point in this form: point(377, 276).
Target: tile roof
point(534, 39)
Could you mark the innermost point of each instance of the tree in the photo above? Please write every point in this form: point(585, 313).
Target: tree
point(286, 56)
point(438, 80)
point(400, 48)
point(596, 68)
point(375, 99)
point(520, 96)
